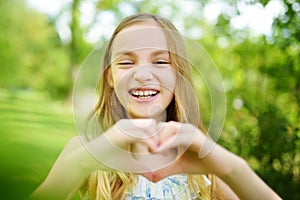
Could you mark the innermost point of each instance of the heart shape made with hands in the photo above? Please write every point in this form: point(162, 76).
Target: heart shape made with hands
point(151, 143)
point(182, 140)
point(158, 149)
point(167, 148)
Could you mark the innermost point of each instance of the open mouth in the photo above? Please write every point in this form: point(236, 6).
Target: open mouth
point(143, 93)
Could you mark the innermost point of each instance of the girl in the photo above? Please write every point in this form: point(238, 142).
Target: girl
point(153, 145)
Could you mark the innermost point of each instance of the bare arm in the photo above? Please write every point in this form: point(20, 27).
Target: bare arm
point(205, 156)
point(227, 192)
point(75, 163)
point(67, 174)
point(240, 177)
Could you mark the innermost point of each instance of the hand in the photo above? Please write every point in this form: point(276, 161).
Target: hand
point(125, 146)
point(160, 149)
point(113, 148)
point(133, 131)
point(187, 139)
point(196, 151)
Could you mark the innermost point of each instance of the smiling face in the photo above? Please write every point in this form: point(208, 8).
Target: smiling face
point(141, 71)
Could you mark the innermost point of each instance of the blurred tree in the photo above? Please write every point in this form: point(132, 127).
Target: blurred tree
point(261, 73)
point(261, 76)
point(31, 53)
point(78, 47)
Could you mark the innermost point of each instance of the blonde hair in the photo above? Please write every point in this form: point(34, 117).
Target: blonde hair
point(103, 185)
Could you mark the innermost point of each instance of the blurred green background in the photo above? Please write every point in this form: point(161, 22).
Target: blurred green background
point(41, 51)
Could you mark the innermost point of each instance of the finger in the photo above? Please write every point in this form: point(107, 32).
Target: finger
point(175, 141)
point(143, 123)
point(167, 130)
point(146, 132)
point(133, 127)
point(139, 128)
point(170, 135)
point(113, 157)
point(124, 161)
point(148, 175)
point(152, 130)
point(131, 131)
point(162, 173)
point(149, 144)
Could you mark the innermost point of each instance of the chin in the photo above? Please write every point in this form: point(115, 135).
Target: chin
point(159, 116)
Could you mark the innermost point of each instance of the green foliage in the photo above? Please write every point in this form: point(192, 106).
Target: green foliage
point(78, 47)
point(31, 53)
point(264, 129)
point(261, 75)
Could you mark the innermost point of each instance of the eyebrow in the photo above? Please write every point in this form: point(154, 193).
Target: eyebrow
point(131, 52)
point(159, 52)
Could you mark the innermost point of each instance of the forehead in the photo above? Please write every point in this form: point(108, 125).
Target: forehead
point(139, 36)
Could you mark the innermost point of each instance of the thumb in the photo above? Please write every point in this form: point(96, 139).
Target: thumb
point(162, 173)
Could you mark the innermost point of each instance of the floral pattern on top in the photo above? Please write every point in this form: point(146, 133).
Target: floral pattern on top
point(171, 188)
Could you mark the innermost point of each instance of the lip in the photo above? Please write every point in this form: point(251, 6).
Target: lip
point(144, 100)
point(144, 88)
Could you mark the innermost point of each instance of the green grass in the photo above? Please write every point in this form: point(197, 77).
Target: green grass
point(33, 131)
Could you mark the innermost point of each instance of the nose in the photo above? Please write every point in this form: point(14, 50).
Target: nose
point(143, 74)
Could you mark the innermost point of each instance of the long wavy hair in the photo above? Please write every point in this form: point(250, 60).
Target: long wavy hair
point(112, 185)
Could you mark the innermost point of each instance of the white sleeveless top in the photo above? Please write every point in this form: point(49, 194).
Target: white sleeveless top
point(171, 188)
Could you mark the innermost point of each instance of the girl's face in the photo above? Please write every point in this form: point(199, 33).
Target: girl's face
point(141, 71)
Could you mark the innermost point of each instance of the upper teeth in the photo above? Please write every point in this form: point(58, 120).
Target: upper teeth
point(144, 92)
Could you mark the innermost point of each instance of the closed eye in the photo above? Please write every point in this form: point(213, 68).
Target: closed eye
point(162, 62)
point(125, 63)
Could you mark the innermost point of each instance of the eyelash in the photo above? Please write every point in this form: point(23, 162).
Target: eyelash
point(125, 63)
point(162, 62)
point(158, 62)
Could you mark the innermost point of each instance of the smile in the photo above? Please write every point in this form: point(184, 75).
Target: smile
point(143, 93)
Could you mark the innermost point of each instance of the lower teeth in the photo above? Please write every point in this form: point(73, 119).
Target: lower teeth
point(144, 97)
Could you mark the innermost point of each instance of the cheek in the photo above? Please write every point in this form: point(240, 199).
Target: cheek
point(168, 80)
point(120, 77)
point(121, 80)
